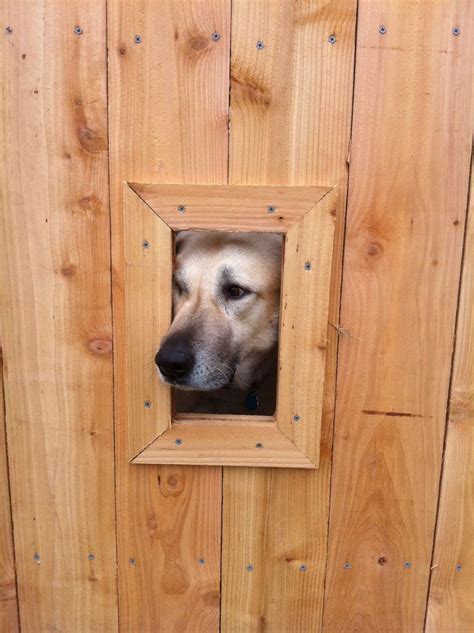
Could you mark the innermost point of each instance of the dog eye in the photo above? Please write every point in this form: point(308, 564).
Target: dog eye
point(236, 292)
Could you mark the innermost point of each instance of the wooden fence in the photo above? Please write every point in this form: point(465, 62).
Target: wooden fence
point(374, 97)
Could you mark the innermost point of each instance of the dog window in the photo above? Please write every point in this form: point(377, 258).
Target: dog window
point(220, 354)
point(172, 232)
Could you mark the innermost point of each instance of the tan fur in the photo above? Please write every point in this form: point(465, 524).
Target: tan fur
point(231, 338)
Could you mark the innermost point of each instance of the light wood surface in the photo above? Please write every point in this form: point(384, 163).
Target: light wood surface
point(290, 122)
point(56, 313)
point(406, 211)
point(451, 597)
point(147, 270)
point(230, 208)
point(168, 107)
point(8, 594)
point(231, 443)
point(304, 324)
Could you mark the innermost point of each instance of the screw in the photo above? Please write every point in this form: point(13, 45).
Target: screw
point(78, 30)
point(271, 209)
point(138, 39)
point(9, 30)
point(182, 208)
point(90, 556)
point(347, 565)
point(407, 564)
point(459, 568)
point(332, 39)
point(216, 36)
point(260, 45)
point(307, 266)
point(37, 558)
point(259, 445)
point(178, 442)
point(456, 31)
point(303, 568)
point(132, 561)
point(296, 418)
point(146, 244)
point(201, 561)
point(382, 29)
point(249, 567)
point(147, 404)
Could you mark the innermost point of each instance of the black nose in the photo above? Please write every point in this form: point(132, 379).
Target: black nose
point(175, 359)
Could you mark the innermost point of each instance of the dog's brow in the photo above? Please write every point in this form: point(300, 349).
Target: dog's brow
point(179, 279)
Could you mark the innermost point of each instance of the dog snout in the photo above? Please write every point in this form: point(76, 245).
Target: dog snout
point(175, 359)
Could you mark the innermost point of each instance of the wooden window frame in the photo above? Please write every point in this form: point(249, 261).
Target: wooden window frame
point(151, 213)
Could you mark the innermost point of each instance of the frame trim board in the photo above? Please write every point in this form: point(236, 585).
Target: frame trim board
point(305, 215)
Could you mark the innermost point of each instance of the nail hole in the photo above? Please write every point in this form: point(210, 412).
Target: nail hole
point(90, 556)
point(178, 441)
point(260, 45)
point(146, 244)
point(382, 29)
point(182, 208)
point(138, 39)
point(259, 445)
point(332, 39)
point(307, 266)
point(249, 567)
point(216, 36)
point(147, 404)
point(456, 31)
point(201, 561)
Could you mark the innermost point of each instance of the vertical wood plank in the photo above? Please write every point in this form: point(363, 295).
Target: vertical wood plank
point(406, 217)
point(168, 123)
point(57, 338)
point(451, 599)
point(8, 596)
point(291, 110)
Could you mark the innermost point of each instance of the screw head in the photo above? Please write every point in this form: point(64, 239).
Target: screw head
point(459, 568)
point(303, 567)
point(147, 404)
point(307, 266)
point(36, 557)
point(259, 445)
point(146, 244)
point(90, 556)
point(296, 418)
point(332, 39)
point(382, 29)
point(347, 565)
point(456, 31)
point(201, 561)
point(178, 441)
point(181, 208)
point(271, 209)
point(132, 561)
point(407, 564)
point(137, 39)
point(78, 30)
point(249, 567)
point(216, 36)
point(260, 45)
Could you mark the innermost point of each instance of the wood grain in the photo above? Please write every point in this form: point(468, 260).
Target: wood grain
point(8, 595)
point(57, 338)
point(401, 277)
point(168, 113)
point(303, 326)
point(451, 599)
point(291, 106)
point(222, 208)
point(232, 443)
point(146, 278)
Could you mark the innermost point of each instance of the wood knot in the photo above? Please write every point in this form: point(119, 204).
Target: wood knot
point(211, 598)
point(172, 484)
point(122, 50)
point(89, 140)
point(382, 561)
point(68, 270)
point(100, 346)
point(199, 43)
point(374, 249)
point(249, 90)
point(90, 203)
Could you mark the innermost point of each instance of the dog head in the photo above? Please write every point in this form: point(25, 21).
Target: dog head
point(226, 297)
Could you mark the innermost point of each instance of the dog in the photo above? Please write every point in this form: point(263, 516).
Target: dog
point(220, 352)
